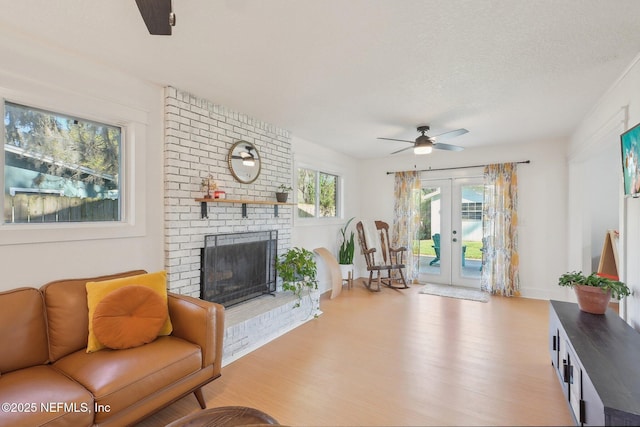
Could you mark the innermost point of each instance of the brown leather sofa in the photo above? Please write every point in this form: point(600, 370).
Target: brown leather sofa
point(48, 378)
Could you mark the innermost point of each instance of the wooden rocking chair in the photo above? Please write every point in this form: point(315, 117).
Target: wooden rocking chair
point(385, 259)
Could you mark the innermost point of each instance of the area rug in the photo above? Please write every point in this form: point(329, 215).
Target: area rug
point(455, 292)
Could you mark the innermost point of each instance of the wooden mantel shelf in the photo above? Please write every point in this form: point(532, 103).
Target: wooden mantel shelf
point(244, 202)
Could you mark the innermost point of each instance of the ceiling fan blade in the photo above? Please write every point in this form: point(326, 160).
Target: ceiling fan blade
point(401, 140)
point(450, 134)
point(156, 15)
point(448, 147)
point(404, 149)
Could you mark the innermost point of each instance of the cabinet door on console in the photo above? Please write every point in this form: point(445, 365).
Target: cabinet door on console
point(558, 350)
point(573, 379)
point(554, 340)
point(593, 407)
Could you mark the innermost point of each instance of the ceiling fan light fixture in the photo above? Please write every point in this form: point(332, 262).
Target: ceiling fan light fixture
point(423, 145)
point(422, 149)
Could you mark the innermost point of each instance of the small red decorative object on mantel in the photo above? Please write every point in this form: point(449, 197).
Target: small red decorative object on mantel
point(219, 194)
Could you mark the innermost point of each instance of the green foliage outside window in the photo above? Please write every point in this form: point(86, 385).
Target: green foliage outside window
point(317, 194)
point(328, 185)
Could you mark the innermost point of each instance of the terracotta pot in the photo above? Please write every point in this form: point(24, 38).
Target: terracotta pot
point(591, 299)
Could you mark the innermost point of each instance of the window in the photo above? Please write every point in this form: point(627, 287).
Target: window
point(317, 194)
point(472, 210)
point(59, 168)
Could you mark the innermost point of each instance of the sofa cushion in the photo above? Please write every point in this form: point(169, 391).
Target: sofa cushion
point(120, 378)
point(96, 291)
point(129, 317)
point(67, 313)
point(43, 396)
point(23, 333)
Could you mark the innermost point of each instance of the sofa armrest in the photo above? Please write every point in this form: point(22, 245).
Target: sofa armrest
point(200, 322)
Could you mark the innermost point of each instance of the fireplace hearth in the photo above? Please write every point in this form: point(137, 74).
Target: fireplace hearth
point(237, 267)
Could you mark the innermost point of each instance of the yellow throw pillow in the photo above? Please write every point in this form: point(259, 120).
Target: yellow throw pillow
point(96, 291)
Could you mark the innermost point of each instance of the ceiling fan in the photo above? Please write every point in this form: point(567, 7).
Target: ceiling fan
point(157, 15)
point(424, 144)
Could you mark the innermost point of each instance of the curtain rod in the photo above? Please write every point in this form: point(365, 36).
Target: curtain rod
point(460, 167)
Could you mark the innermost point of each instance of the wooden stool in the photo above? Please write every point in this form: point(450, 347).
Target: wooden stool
point(225, 416)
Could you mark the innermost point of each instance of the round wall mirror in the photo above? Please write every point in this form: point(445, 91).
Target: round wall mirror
point(244, 162)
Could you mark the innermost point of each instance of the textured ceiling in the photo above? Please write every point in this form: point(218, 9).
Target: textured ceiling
point(343, 72)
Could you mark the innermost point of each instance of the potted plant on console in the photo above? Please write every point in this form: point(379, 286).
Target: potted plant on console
point(298, 270)
point(594, 291)
point(283, 193)
point(345, 255)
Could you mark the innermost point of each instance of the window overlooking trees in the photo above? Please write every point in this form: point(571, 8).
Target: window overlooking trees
point(59, 168)
point(317, 194)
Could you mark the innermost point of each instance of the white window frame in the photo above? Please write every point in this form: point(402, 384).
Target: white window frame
point(339, 218)
point(133, 167)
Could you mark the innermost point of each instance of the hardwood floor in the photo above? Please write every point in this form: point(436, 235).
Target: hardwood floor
point(398, 358)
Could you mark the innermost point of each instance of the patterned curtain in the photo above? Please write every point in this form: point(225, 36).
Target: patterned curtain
point(406, 221)
point(500, 236)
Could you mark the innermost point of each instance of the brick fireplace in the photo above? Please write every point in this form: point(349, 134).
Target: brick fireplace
point(198, 136)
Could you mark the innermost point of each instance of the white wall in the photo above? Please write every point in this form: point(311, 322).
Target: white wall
point(325, 232)
point(617, 111)
point(594, 193)
point(28, 71)
point(541, 208)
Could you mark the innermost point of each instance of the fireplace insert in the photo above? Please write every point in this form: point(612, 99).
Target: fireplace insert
point(237, 267)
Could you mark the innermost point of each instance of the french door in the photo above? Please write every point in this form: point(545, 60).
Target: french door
point(451, 231)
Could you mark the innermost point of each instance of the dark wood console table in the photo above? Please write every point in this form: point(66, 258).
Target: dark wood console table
point(597, 359)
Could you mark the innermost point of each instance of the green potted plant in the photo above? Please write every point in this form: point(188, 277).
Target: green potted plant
point(345, 254)
point(283, 193)
point(593, 291)
point(298, 270)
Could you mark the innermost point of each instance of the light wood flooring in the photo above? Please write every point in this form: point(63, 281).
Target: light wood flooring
point(399, 358)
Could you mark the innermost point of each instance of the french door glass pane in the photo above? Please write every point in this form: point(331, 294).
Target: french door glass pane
point(471, 215)
point(429, 242)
